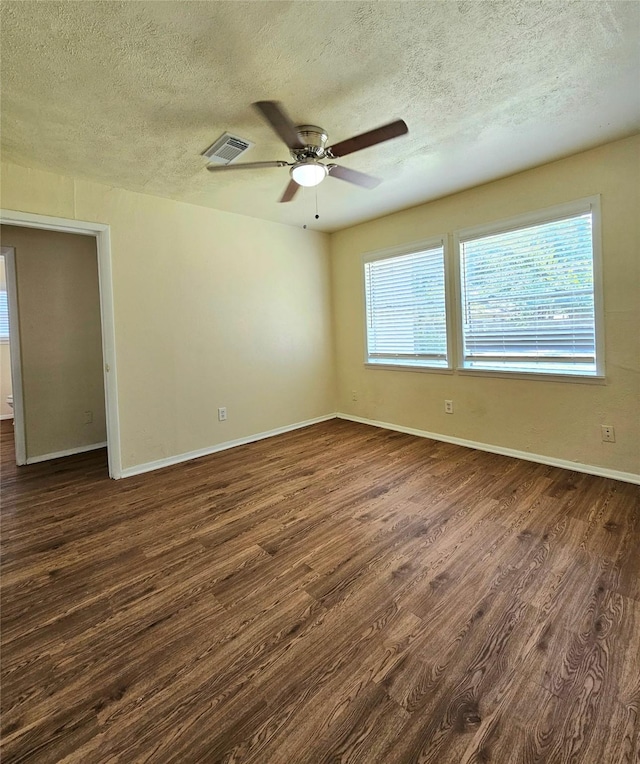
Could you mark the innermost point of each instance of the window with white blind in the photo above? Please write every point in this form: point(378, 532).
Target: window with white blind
point(405, 299)
point(529, 294)
point(4, 316)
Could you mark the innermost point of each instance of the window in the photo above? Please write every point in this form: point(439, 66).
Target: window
point(406, 308)
point(4, 316)
point(528, 294)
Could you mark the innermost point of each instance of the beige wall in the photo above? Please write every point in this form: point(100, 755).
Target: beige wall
point(60, 339)
point(5, 359)
point(552, 418)
point(211, 309)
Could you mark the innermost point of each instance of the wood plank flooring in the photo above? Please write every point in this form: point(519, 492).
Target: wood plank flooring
point(335, 594)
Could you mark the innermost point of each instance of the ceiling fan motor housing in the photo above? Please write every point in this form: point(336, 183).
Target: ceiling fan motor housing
point(314, 139)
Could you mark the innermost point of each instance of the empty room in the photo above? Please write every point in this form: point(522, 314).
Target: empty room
point(320, 406)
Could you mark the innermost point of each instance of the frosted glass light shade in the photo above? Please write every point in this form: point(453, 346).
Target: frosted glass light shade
point(308, 173)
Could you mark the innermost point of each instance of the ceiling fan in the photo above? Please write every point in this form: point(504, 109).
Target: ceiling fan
point(307, 146)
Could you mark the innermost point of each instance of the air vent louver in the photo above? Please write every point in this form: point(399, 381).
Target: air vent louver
point(227, 148)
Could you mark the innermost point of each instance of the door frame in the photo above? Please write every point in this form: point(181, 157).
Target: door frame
point(101, 233)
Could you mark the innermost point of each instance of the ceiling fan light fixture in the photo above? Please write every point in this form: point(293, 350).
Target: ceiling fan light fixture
point(309, 173)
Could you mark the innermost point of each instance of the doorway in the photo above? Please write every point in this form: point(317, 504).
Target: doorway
point(6, 396)
point(104, 364)
point(10, 349)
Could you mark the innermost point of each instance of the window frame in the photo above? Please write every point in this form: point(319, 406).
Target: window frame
point(398, 251)
point(537, 217)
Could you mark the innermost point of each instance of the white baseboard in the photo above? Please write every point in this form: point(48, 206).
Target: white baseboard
point(68, 452)
point(138, 469)
point(6, 416)
point(627, 477)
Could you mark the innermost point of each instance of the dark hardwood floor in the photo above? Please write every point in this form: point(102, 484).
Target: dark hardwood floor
point(335, 594)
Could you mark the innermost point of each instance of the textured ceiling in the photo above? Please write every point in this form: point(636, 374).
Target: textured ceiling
point(130, 93)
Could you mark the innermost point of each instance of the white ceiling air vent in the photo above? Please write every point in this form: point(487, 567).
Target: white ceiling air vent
point(227, 148)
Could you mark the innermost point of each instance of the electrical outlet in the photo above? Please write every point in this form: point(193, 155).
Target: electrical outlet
point(222, 414)
point(608, 433)
point(448, 407)
point(354, 395)
point(88, 417)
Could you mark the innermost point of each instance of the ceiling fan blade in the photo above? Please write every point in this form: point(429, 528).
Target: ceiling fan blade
point(290, 191)
point(353, 176)
point(245, 166)
point(371, 138)
point(279, 120)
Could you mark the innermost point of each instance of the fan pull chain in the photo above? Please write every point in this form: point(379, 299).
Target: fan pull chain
point(317, 216)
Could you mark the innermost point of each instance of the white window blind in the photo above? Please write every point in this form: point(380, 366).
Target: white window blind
point(4, 316)
point(527, 298)
point(406, 309)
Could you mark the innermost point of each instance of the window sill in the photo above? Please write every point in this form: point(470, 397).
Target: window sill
point(537, 375)
point(404, 367)
point(564, 378)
